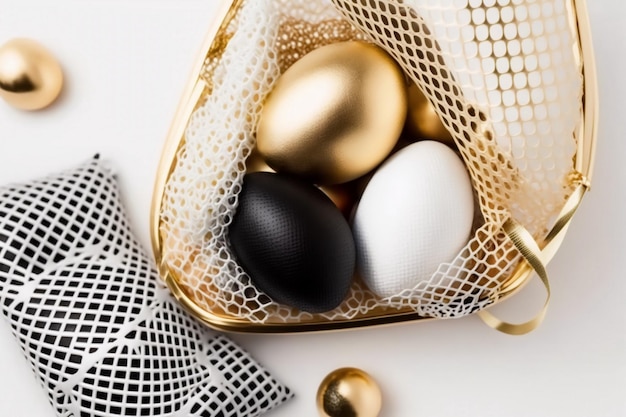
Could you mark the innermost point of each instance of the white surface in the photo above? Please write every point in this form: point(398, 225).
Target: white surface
point(126, 64)
point(400, 246)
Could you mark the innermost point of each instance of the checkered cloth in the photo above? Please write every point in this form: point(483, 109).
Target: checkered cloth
point(101, 332)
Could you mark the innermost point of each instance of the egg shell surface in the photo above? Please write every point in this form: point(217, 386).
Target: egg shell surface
point(293, 242)
point(416, 213)
point(335, 114)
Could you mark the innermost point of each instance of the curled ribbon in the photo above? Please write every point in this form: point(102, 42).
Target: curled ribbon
point(537, 258)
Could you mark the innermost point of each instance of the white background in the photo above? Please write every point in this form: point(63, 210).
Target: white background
point(126, 63)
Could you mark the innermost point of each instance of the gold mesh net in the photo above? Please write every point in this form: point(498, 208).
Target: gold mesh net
point(503, 75)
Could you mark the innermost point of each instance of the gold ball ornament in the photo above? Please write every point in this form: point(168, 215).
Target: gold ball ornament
point(335, 114)
point(423, 121)
point(30, 76)
point(349, 392)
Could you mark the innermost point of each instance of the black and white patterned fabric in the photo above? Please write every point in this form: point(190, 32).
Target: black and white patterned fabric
point(101, 332)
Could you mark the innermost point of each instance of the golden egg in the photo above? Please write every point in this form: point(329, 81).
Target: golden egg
point(343, 195)
point(349, 392)
point(30, 77)
point(335, 114)
point(255, 163)
point(423, 121)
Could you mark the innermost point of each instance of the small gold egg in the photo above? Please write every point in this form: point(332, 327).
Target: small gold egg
point(343, 195)
point(30, 76)
point(349, 392)
point(255, 163)
point(423, 121)
point(335, 114)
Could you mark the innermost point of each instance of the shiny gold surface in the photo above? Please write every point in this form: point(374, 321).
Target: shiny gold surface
point(422, 119)
point(196, 92)
point(585, 156)
point(30, 76)
point(349, 392)
point(334, 115)
point(256, 163)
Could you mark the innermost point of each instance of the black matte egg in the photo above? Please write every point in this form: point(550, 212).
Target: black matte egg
point(293, 242)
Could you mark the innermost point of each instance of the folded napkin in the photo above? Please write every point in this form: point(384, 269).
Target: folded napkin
point(100, 330)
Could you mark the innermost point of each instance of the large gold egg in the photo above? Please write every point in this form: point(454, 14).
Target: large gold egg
point(30, 76)
point(335, 114)
point(423, 121)
point(349, 392)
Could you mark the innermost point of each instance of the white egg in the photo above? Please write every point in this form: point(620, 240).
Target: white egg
point(415, 214)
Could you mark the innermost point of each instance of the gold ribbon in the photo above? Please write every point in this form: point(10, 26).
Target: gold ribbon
point(537, 258)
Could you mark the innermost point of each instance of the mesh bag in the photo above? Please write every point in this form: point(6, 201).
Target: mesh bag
point(101, 332)
point(505, 78)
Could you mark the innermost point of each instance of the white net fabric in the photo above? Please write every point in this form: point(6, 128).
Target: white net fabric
point(502, 73)
point(504, 77)
point(102, 333)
